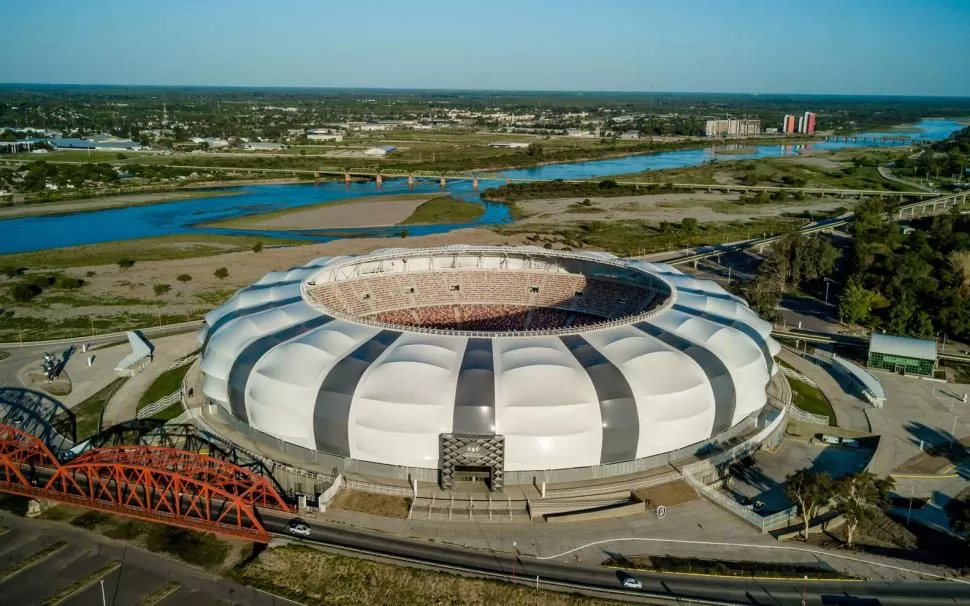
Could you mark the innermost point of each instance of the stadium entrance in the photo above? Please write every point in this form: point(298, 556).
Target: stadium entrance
point(476, 459)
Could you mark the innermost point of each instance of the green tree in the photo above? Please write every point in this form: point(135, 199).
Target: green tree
point(258, 247)
point(183, 278)
point(688, 224)
point(222, 273)
point(125, 263)
point(856, 301)
point(161, 289)
point(810, 490)
point(23, 292)
point(860, 498)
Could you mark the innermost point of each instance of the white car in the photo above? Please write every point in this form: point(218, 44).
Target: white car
point(299, 528)
point(631, 583)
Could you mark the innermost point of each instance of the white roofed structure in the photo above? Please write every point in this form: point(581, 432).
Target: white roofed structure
point(532, 360)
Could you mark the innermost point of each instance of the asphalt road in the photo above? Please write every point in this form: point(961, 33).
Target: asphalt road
point(595, 579)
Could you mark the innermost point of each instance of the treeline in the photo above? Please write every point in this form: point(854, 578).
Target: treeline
point(538, 190)
point(947, 158)
point(794, 262)
point(916, 284)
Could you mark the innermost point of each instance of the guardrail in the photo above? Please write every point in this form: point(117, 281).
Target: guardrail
point(108, 337)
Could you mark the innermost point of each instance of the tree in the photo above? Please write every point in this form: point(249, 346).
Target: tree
point(258, 247)
point(222, 273)
point(161, 289)
point(688, 224)
point(810, 490)
point(859, 498)
point(183, 278)
point(125, 263)
point(856, 301)
point(23, 292)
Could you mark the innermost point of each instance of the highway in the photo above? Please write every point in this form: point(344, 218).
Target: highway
point(606, 582)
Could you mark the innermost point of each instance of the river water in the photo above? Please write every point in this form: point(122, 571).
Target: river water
point(187, 216)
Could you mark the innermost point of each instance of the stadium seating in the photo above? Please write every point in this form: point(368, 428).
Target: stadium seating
point(484, 299)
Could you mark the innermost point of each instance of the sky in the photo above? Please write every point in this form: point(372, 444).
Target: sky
point(894, 47)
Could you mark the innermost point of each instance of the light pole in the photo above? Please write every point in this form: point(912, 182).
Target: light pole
point(104, 602)
point(827, 282)
point(515, 556)
point(912, 489)
point(953, 430)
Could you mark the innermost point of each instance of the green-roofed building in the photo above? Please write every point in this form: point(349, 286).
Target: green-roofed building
point(903, 355)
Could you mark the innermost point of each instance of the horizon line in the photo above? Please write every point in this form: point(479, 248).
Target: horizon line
point(498, 90)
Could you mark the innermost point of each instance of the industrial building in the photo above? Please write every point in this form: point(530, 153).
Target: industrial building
point(903, 355)
point(486, 362)
point(732, 128)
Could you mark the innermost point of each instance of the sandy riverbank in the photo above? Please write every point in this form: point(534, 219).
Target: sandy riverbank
point(372, 211)
point(705, 207)
point(103, 203)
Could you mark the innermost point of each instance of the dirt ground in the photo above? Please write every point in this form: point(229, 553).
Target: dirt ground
point(376, 212)
point(204, 290)
point(705, 207)
point(668, 495)
point(375, 504)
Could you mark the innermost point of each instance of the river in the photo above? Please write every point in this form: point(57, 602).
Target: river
point(188, 216)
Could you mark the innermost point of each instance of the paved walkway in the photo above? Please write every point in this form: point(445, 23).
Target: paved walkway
point(850, 412)
point(123, 404)
point(698, 529)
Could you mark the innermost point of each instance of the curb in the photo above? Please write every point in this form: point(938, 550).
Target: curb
point(739, 578)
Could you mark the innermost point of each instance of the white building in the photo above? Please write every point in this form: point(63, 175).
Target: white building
point(263, 146)
point(380, 151)
point(629, 360)
point(509, 144)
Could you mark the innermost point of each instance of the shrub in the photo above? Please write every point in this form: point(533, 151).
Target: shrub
point(125, 263)
point(404, 233)
point(161, 289)
point(90, 273)
point(258, 247)
point(221, 273)
point(13, 272)
point(183, 278)
point(23, 291)
point(67, 282)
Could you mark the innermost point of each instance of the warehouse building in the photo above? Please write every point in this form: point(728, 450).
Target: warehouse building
point(903, 355)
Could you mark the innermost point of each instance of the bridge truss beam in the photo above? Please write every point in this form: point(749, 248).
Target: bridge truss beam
point(152, 483)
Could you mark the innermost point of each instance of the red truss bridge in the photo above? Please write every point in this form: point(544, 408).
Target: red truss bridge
point(152, 483)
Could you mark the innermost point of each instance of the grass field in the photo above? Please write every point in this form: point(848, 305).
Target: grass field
point(838, 170)
point(87, 414)
point(100, 201)
point(12, 328)
point(811, 399)
point(313, 577)
point(144, 249)
point(444, 209)
point(626, 238)
point(166, 383)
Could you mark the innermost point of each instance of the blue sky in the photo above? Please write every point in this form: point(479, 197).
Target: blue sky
point(906, 47)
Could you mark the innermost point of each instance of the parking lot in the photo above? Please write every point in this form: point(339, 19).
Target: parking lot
point(71, 563)
point(762, 477)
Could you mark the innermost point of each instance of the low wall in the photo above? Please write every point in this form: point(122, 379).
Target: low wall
point(599, 514)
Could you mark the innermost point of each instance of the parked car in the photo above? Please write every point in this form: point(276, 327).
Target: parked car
point(299, 527)
point(631, 583)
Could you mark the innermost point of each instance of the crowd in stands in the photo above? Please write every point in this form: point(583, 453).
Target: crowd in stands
point(485, 299)
point(485, 317)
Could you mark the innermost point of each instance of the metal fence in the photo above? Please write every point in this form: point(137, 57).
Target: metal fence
point(159, 405)
point(765, 523)
point(807, 417)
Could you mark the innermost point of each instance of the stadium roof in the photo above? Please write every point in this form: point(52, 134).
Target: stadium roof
point(385, 394)
point(922, 349)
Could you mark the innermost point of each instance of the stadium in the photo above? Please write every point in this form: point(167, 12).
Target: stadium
point(500, 364)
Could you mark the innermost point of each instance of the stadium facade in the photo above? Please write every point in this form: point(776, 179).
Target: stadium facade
point(499, 363)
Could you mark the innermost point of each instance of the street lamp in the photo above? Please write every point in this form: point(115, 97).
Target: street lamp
point(515, 556)
point(104, 602)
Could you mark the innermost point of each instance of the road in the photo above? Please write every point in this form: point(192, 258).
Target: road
point(595, 580)
point(886, 173)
